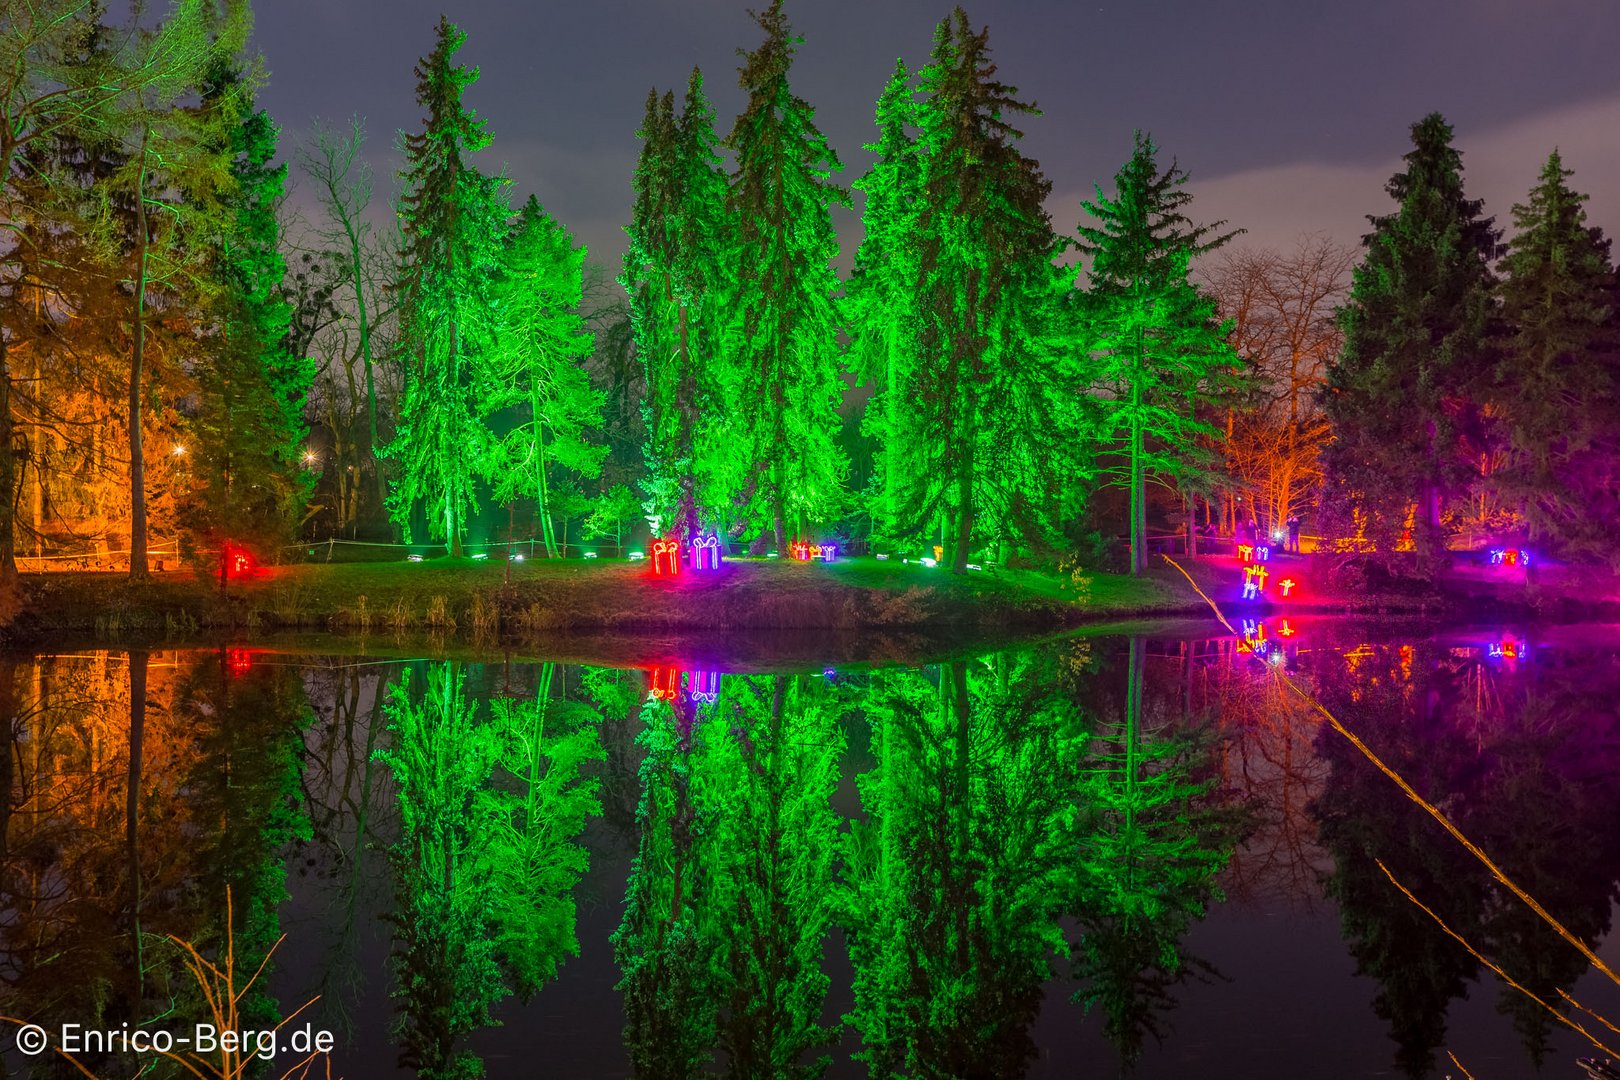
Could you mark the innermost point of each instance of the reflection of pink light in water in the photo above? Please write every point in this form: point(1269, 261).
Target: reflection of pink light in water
point(664, 683)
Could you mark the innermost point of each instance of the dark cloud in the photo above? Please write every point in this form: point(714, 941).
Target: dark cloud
point(1289, 115)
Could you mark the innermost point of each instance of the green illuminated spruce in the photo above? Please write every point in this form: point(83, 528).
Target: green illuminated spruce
point(1155, 349)
point(250, 396)
point(1405, 391)
point(781, 378)
point(675, 273)
point(538, 365)
point(453, 218)
point(976, 441)
point(878, 308)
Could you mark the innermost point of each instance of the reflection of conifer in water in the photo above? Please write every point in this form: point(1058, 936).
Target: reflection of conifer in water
point(1363, 817)
point(729, 898)
point(1152, 841)
point(249, 728)
point(484, 874)
point(1521, 763)
point(669, 1010)
point(954, 879)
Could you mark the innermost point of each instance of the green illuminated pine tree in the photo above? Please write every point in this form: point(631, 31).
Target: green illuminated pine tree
point(781, 380)
point(674, 272)
point(878, 307)
point(1154, 349)
point(538, 365)
point(978, 441)
point(251, 388)
point(1404, 396)
point(1558, 380)
point(453, 218)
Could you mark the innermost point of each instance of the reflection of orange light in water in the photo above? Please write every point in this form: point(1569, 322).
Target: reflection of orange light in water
point(1284, 629)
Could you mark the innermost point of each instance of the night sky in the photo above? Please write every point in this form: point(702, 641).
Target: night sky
point(1289, 114)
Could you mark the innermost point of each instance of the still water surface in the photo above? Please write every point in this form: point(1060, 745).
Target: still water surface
point(1141, 855)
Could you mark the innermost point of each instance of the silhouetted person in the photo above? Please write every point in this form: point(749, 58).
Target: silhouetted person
point(1293, 533)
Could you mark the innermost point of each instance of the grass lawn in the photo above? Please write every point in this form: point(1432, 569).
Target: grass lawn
point(550, 595)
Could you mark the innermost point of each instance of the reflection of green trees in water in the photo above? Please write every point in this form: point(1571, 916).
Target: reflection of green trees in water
point(955, 881)
point(1019, 817)
point(728, 905)
point(491, 807)
point(1524, 763)
point(995, 808)
point(1152, 840)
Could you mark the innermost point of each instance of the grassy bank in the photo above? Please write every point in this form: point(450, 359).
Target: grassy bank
point(547, 597)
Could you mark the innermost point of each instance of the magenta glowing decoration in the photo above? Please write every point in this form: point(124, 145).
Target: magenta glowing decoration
point(706, 552)
point(703, 686)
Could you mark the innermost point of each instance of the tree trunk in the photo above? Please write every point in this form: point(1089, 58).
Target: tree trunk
point(964, 513)
point(777, 511)
point(1137, 494)
point(8, 478)
point(137, 461)
point(138, 660)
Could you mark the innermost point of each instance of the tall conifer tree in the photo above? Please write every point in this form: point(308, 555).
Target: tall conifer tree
point(1155, 348)
point(674, 272)
point(1404, 395)
point(781, 380)
point(541, 348)
point(976, 440)
point(1558, 380)
point(453, 219)
point(251, 388)
point(878, 298)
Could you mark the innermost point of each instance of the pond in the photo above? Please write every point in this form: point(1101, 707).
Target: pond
point(1150, 854)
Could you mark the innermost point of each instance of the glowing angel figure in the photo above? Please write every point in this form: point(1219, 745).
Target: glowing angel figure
point(666, 554)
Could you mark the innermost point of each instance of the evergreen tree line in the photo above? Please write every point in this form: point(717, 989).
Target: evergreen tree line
point(980, 381)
